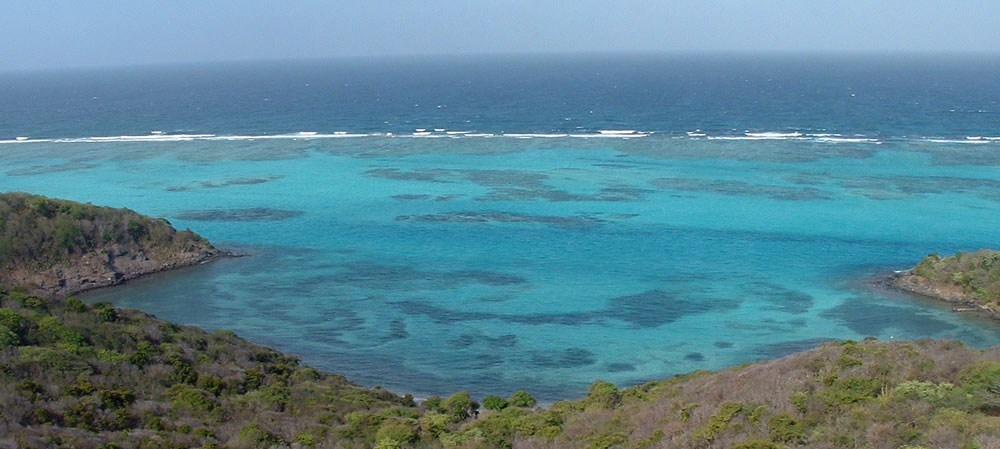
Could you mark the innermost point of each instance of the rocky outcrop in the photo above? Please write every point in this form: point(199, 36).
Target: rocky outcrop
point(106, 268)
point(966, 280)
point(62, 247)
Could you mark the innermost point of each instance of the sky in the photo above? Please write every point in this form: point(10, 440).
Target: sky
point(48, 34)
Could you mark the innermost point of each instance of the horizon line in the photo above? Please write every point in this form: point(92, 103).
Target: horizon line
point(388, 57)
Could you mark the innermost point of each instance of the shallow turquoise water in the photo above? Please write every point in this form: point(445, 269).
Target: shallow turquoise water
point(494, 264)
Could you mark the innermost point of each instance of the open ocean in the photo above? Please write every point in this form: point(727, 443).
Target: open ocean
point(494, 224)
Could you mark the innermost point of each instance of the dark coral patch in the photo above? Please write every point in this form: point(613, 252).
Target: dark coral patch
point(654, 308)
point(620, 367)
point(42, 169)
point(869, 318)
point(567, 358)
point(223, 183)
point(694, 357)
point(502, 217)
point(250, 214)
point(738, 188)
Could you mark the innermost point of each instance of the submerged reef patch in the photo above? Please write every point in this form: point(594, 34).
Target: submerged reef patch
point(901, 187)
point(249, 214)
point(620, 367)
point(224, 183)
point(694, 357)
point(866, 317)
point(655, 308)
point(567, 358)
point(739, 188)
point(402, 277)
point(43, 169)
point(510, 185)
point(502, 217)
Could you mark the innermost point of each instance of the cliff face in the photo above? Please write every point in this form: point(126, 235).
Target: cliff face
point(967, 279)
point(58, 246)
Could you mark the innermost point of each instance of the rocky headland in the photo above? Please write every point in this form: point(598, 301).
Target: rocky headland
point(53, 246)
point(968, 280)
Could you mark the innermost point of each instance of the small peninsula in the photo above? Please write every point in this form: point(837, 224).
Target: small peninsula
point(94, 376)
point(57, 246)
point(970, 280)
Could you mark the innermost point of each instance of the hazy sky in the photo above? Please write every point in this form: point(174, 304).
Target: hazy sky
point(53, 34)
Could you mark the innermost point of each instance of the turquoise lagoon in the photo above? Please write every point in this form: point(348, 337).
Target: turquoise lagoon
point(430, 264)
point(464, 223)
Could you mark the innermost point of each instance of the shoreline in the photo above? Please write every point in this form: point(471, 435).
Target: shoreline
point(126, 278)
point(908, 282)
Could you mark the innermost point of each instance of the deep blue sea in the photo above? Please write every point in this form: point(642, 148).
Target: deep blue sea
point(493, 224)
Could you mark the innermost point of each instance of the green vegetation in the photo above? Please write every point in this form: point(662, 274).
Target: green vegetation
point(976, 274)
point(44, 240)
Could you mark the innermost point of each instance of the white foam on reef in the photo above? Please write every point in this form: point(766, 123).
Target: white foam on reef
point(531, 135)
point(24, 140)
point(774, 135)
point(613, 133)
point(813, 137)
point(968, 141)
point(138, 138)
point(845, 140)
point(822, 137)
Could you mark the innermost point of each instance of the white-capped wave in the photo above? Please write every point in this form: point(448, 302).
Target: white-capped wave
point(612, 133)
point(22, 139)
point(773, 135)
point(531, 135)
point(968, 141)
point(846, 140)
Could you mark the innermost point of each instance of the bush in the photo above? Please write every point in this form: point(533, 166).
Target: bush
point(850, 390)
point(8, 337)
point(784, 428)
point(74, 304)
point(305, 438)
point(602, 394)
point(116, 398)
point(106, 312)
point(398, 430)
point(521, 398)
point(460, 406)
point(494, 402)
point(186, 397)
point(258, 436)
point(717, 423)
